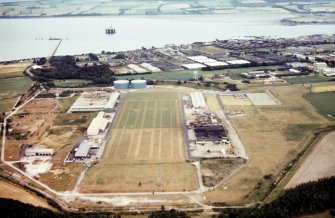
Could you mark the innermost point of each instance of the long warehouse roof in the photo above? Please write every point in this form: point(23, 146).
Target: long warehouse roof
point(83, 149)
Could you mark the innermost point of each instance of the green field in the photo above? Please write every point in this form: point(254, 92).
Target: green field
point(306, 79)
point(154, 110)
point(146, 147)
point(12, 87)
point(297, 132)
point(328, 47)
point(71, 83)
point(324, 102)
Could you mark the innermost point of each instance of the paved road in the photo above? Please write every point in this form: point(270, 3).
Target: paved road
point(233, 136)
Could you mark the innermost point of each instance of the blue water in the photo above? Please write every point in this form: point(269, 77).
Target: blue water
point(87, 34)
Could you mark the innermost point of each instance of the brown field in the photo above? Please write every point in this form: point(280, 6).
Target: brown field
point(323, 87)
point(262, 131)
point(8, 190)
point(319, 164)
point(146, 147)
point(55, 130)
point(215, 170)
point(232, 100)
point(212, 102)
point(13, 70)
point(7, 104)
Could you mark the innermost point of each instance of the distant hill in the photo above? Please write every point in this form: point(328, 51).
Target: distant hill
point(17, 8)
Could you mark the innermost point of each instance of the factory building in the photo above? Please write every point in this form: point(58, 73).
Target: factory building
point(240, 62)
point(95, 101)
point(320, 65)
point(139, 84)
point(39, 152)
point(83, 149)
point(99, 123)
point(198, 100)
point(149, 67)
point(137, 69)
point(193, 66)
point(121, 84)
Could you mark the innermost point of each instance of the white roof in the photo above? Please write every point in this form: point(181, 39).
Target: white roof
point(97, 124)
point(94, 101)
point(121, 82)
point(193, 66)
point(83, 149)
point(40, 150)
point(150, 67)
point(112, 100)
point(137, 68)
point(198, 100)
point(216, 64)
point(201, 59)
point(238, 62)
point(294, 71)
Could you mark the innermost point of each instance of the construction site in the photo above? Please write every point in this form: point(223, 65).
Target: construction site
point(208, 133)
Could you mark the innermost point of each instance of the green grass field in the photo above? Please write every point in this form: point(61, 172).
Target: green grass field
point(146, 146)
point(297, 132)
point(12, 87)
point(71, 83)
point(328, 47)
point(154, 110)
point(306, 79)
point(324, 102)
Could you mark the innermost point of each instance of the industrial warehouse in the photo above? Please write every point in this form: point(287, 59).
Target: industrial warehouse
point(206, 131)
point(95, 101)
point(90, 147)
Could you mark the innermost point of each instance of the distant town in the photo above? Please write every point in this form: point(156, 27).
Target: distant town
point(313, 12)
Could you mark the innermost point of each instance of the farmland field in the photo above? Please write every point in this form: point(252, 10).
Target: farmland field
point(13, 70)
point(272, 136)
point(324, 102)
point(306, 79)
point(12, 87)
point(146, 150)
point(323, 87)
point(318, 164)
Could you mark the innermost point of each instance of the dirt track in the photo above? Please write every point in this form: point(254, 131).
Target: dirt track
point(319, 164)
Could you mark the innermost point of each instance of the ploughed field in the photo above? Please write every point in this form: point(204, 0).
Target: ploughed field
point(146, 150)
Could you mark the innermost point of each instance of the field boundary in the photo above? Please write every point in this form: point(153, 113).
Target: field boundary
point(293, 165)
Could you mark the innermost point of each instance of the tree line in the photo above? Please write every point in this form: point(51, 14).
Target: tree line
point(64, 67)
point(307, 198)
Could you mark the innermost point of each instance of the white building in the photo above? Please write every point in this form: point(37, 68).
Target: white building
point(39, 152)
point(329, 71)
point(137, 69)
point(99, 123)
point(149, 67)
point(320, 65)
point(238, 62)
point(95, 101)
point(198, 100)
point(193, 66)
point(83, 149)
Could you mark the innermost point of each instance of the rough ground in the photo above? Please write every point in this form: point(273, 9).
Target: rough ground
point(8, 190)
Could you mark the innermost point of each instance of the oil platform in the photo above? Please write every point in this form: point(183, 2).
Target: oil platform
point(110, 30)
